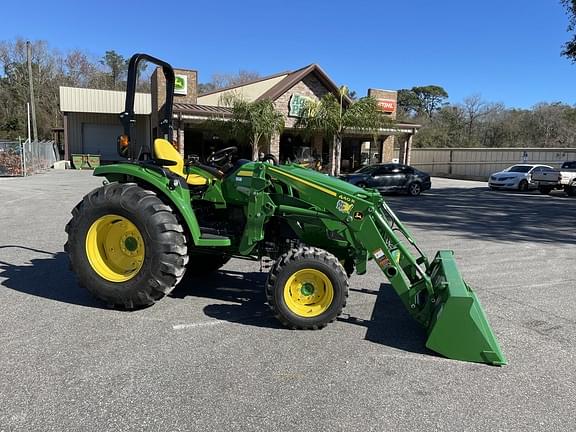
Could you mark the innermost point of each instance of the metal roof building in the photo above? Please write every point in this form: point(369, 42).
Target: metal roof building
point(91, 123)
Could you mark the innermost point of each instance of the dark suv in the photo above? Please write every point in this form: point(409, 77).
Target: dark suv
point(390, 178)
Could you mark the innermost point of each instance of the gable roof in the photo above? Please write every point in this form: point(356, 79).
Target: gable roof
point(295, 77)
point(272, 86)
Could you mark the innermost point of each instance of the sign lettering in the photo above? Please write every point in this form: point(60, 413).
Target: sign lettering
point(387, 105)
point(297, 104)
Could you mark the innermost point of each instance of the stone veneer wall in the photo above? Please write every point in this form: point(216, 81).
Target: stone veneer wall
point(310, 87)
point(158, 87)
point(388, 149)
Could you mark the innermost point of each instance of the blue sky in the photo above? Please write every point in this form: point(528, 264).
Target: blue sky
point(506, 51)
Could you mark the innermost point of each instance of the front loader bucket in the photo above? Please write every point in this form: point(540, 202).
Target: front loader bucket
point(459, 328)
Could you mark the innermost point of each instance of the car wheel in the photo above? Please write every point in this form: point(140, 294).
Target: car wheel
point(523, 186)
point(570, 190)
point(414, 189)
point(545, 190)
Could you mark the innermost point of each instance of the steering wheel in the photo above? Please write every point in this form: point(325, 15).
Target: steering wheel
point(270, 158)
point(221, 157)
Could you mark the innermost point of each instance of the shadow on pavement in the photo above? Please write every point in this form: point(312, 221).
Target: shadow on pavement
point(245, 290)
point(480, 213)
point(46, 277)
point(390, 323)
point(50, 278)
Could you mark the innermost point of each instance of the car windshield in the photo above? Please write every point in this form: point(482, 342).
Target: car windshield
point(367, 169)
point(520, 168)
point(569, 165)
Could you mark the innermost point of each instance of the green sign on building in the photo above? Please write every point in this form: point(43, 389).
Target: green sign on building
point(297, 104)
point(181, 85)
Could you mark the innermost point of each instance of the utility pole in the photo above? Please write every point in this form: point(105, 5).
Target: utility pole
point(32, 103)
point(28, 120)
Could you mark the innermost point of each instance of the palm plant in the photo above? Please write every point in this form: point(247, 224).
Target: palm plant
point(255, 120)
point(329, 116)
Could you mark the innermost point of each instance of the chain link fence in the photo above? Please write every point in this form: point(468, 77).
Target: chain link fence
point(26, 158)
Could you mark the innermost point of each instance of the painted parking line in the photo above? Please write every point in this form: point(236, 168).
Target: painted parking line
point(198, 324)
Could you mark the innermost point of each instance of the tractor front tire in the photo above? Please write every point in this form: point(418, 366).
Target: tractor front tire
point(126, 246)
point(307, 288)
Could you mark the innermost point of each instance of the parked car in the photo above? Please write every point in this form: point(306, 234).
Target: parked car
point(564, 178)
point(390, 178)
point(517, 177)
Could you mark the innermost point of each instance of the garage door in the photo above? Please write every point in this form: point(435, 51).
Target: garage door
point(101, 139)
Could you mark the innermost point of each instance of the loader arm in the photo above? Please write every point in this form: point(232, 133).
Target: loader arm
point(433, 292)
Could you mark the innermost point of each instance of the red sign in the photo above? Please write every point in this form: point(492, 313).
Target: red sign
point(387, 105)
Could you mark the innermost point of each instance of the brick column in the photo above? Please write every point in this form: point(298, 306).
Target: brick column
point(275, 145)
point(402, 152)
point(181, 142)
point(388, 149)
point(178, 140)
point(408, 149)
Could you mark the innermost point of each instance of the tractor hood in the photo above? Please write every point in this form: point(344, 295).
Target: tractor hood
point(330, 183)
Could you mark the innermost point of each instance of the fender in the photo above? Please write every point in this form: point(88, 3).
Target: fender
point(169, 185)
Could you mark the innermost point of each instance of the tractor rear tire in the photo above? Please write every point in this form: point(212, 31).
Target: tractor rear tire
point(307, 288)
point(126, 246)
point(202, 264)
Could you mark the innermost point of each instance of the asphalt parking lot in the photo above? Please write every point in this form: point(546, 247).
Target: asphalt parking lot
point(211, 356)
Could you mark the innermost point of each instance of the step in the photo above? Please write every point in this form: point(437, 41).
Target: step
point(210, 237)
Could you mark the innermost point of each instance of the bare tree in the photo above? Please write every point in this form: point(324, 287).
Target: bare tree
point(223, 80)
point(474, 109)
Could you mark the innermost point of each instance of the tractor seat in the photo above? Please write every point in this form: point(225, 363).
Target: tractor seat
point(164, 150)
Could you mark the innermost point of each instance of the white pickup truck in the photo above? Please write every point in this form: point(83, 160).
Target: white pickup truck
point(549, 179)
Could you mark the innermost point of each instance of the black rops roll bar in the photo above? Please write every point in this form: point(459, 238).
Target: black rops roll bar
point(128, 118)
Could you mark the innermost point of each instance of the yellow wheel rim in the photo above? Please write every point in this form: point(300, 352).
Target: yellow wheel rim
point(115, 248)
point(308, 293)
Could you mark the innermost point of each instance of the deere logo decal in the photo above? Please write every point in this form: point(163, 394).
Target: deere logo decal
point(181, 84)
point(344, 207)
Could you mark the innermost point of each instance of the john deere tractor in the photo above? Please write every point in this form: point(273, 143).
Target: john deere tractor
point(158, 216)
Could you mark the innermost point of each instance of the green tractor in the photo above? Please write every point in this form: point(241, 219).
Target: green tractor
point(157, 216)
